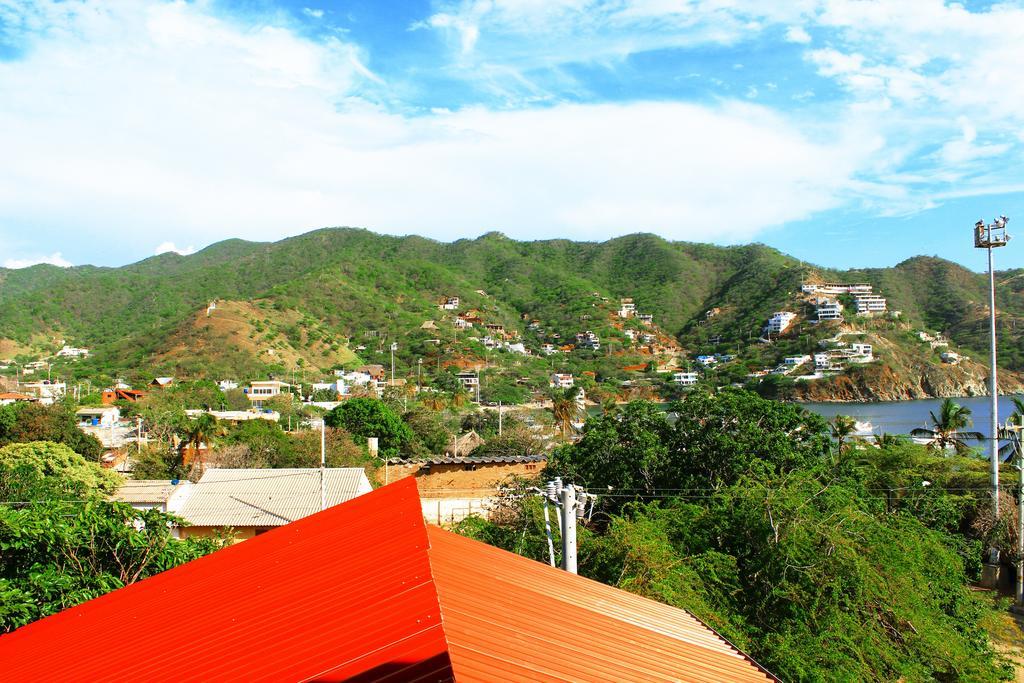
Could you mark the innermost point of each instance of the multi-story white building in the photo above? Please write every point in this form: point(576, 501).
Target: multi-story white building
point(588, 340)
point(627, 309)
point(73, 352)
point(645, 318)
point(686, 379)
point(780, 322)
point(821, 360)
point(829, 310)
point(562, 380)
point(869, 304)
point(263, 390)
point(836, 288)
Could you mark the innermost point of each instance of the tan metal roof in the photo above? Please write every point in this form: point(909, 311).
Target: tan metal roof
point(268, 497)
point(146, 491)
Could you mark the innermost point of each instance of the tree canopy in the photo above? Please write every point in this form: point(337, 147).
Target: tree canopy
point(368, 417)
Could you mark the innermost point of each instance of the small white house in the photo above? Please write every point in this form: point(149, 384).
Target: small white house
point(107, 416)
point(73, 352)
point(821, 360)
point(227, 384)
point(449, 303)
point(627, 309)
point(686, 379)
point(861, 349)
point(561, 380)
point(951, 357)
point(46, 391)
point(707, 360)
point(794, 361)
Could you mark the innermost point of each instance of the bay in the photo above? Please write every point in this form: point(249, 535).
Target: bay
point(899, 417)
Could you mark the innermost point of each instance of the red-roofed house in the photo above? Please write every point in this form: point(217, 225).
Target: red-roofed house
point(366, 591)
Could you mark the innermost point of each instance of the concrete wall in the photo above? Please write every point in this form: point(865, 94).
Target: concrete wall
point(238, 533)
point(464, 481)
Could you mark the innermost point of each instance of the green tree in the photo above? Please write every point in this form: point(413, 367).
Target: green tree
point(24, 422)
point(54, 555)
point(367, 417)
point(948, 428)
point(842, 427)
point(268, 445)
point(43, 469)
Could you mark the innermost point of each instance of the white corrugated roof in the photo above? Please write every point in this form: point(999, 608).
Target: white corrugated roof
point(146, 490)
point(268, 497)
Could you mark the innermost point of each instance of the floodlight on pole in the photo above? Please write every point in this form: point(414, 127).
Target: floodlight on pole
point(990, 237)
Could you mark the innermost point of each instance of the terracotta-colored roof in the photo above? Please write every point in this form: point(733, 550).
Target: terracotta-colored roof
point(635, 368)
point(366, 591)
point(11, 396)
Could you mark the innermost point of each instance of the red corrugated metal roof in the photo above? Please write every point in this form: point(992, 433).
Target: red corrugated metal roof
point(365, 591)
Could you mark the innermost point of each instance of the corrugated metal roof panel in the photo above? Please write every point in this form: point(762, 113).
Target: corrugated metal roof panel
point(364, 591)
point(146, 490)
point(268, 497)
point(504, 613)
point(341, 594)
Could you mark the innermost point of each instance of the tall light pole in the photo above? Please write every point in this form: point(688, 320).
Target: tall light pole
point(394, 347)
point(990, 237)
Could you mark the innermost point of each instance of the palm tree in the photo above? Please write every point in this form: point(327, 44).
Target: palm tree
point(458, 398)
point(885, 440)
point(1014, 427)
point(565, 411)
point(199, 431)
point(435, 401)
point(947, 430)
point(842, 426)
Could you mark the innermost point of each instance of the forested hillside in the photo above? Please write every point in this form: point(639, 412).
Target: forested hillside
point(314, 300)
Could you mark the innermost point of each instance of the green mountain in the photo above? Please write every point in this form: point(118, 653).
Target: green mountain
point(340, 296)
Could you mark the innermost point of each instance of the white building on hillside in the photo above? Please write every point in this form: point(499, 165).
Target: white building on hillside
point(260, 391)
point(686, 379)
point(72, 352)
point(829, 310)
point(46, 391)
point(869, 304)
point(627, 309)
point(561, 380)
point(780, 322)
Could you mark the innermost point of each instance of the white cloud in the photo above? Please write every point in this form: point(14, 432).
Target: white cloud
point(798, 34)
point(200, 128)
point(314, 13)
point(166, 247)
point(54, 259)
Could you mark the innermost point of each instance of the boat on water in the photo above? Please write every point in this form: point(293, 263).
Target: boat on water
point(863, 428)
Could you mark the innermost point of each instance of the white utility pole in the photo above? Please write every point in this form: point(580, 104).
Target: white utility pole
point(323, 462)
point(499, 418)
point(989, 237)
point(568, 512)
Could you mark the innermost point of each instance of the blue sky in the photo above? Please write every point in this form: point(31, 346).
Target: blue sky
point(845, 132)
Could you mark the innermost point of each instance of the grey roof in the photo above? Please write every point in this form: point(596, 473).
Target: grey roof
point(146, 490)
point(482, 460)
point(267, 497)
